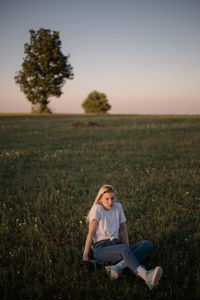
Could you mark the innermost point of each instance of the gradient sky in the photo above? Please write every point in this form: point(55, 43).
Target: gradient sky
point(143, 54)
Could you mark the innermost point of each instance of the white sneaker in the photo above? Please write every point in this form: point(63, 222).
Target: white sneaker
point(113, 271)
point(153, 277)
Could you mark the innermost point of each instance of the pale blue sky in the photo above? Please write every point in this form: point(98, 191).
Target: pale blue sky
point(143, 54)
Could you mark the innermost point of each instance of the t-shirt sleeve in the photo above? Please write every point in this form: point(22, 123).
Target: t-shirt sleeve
point(95, 213)
point(122, 217)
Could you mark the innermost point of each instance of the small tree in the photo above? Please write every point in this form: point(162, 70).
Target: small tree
point(44, 69)
point(96, 103)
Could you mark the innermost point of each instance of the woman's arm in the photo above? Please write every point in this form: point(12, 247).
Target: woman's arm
point(91, 233)
point(124, 233)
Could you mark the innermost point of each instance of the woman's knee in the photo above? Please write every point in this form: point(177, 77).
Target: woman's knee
point(125, 249)
point(148, 244)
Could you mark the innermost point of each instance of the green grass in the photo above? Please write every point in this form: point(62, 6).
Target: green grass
point(50, 174)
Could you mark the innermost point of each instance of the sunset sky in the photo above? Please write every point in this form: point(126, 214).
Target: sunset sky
point(143, 54)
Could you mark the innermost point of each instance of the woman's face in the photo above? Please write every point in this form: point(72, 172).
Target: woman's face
point(107, 200)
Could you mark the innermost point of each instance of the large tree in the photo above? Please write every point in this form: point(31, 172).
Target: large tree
point(96, 103)
point(44, 69)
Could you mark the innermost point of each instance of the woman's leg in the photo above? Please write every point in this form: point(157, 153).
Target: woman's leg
point(117, 253)
point(142, 249)
point(127, 255)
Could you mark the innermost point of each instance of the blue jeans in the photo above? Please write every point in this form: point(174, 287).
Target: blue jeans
point(131, 255)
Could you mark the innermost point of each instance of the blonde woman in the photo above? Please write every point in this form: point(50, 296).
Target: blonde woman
point(106, 218)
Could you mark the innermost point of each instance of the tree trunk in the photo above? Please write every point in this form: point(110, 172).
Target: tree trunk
point(41, 108)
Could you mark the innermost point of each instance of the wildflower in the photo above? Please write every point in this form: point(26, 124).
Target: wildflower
point(36, 227)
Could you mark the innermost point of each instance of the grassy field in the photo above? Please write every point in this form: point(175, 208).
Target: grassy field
point(50, 174)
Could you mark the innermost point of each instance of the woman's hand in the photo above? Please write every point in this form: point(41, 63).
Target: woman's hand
point(86, 258)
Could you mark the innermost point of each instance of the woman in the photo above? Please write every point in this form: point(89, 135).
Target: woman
point(106, 218)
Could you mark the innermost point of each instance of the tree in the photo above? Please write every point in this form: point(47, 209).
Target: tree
point(96, 103)
point(44, 69)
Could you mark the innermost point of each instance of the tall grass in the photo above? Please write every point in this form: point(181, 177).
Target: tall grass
point(50, 174)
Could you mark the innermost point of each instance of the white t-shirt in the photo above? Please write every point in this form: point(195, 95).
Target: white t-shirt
point(108, 221)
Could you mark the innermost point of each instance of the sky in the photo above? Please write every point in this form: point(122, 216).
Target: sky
point(143, 54)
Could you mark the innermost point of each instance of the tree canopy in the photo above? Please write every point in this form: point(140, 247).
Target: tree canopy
point(96, 103)
point(44, 69)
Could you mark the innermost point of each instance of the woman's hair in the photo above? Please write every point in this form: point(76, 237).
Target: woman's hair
point(104, 189)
